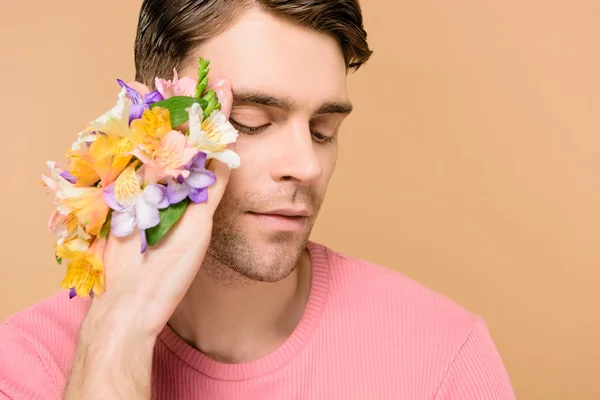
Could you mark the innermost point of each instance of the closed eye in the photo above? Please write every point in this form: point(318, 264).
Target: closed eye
point(248, 130)
point(323, 139)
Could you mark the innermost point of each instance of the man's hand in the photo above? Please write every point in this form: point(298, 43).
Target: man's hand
point(114, 357)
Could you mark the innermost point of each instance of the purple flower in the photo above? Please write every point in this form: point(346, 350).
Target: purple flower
point(140, 103)
point(73, 293)
point(68, 177)
point(195, 185)
point(139, 211)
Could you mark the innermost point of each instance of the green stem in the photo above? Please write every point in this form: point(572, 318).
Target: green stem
point(202, 76)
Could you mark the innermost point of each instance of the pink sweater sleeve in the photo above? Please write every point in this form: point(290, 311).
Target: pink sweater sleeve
point(477, 371)
point(23, 375)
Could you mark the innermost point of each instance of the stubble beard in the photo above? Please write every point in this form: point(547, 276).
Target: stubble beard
point(232, 258)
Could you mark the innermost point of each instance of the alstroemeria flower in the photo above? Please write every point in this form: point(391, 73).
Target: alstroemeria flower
point(67, 175)
point(103, 160)
point(195, 185)
point(178, 87)
point(147, 131)
point(134, 207)
point(63, 225)
point(212, 135)
point(114, 122)
point(85, 269)
point(84, 139)
point(140, 102)
point(86, 203)
point(167, 160)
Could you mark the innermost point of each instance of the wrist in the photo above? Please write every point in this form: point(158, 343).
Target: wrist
point(122, 317)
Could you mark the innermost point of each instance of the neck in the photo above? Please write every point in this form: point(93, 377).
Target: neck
point(233, 319)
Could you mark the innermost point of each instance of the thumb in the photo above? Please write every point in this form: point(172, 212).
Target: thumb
point(217, 190)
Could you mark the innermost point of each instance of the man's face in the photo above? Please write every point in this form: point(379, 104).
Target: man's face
point(289, 87)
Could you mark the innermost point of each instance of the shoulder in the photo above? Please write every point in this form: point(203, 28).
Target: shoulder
point(56, 318)
point(38, 344)
point(374, 285)
point(415, 320)
point(409, 324)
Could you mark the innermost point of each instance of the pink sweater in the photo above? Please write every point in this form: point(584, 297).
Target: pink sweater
point(367, 333)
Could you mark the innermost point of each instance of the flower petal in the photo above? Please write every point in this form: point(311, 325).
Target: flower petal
point(116, 120)
point(176, 192)
point(187, 86)
point(68, 177)
point(136, 111)
point(188, 154)
point(153, 97)
point(165, 201)
point(228, 133)
point(196, 137)
point(201, 179)
point(162, 85)
point(147, 214)
point(110, 200)
point(198, 162)
point(144, 245)
point(199, 195)
point(133, 95)
point(141, 155)
point(153, 194)
point(228, 157)
point(122, 223)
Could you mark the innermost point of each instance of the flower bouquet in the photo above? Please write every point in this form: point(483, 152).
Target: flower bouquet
point(134, 170)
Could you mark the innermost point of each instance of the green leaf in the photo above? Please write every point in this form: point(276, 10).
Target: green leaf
point(168, 217)
point(177, 106)
point(58, 259)
point(105, 228)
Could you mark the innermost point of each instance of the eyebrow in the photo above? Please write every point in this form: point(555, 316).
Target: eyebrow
point(263, 99)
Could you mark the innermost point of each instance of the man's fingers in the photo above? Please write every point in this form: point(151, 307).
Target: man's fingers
point(223, 89)
point(216, 191)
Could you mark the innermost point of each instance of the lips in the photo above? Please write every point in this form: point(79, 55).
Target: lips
point(281, 220)
point(284, 212)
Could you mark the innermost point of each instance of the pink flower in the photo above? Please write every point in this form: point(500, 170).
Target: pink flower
point(168, 159)
point(178, 87)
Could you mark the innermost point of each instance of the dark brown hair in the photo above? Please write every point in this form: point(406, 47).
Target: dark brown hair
point(169, 30)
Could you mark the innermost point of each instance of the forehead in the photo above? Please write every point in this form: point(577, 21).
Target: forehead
point(280, 58)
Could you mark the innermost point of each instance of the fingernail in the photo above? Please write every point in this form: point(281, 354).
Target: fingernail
point(220, 95)
point(220, 82)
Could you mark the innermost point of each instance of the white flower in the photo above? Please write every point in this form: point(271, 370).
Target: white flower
point(114, 122)
point(212, 136)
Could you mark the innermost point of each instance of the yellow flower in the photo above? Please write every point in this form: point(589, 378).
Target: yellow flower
point(111, 156)
point(104, 159)
point(150, 129)
point(90, 209)
point(63, 225)
point(87, 203)
point(82, 168)
point(85, 268)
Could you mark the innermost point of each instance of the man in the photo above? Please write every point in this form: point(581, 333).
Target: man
point(237, 303)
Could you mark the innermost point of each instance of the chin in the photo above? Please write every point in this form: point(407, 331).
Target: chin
point(258, 256)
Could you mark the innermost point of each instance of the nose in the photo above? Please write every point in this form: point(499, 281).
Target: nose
point(298, 160)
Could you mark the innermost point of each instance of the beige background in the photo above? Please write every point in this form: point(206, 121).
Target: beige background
point(472, 163)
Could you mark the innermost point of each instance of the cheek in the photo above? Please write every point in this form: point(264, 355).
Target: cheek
point(260, 154)
point(328, 158)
